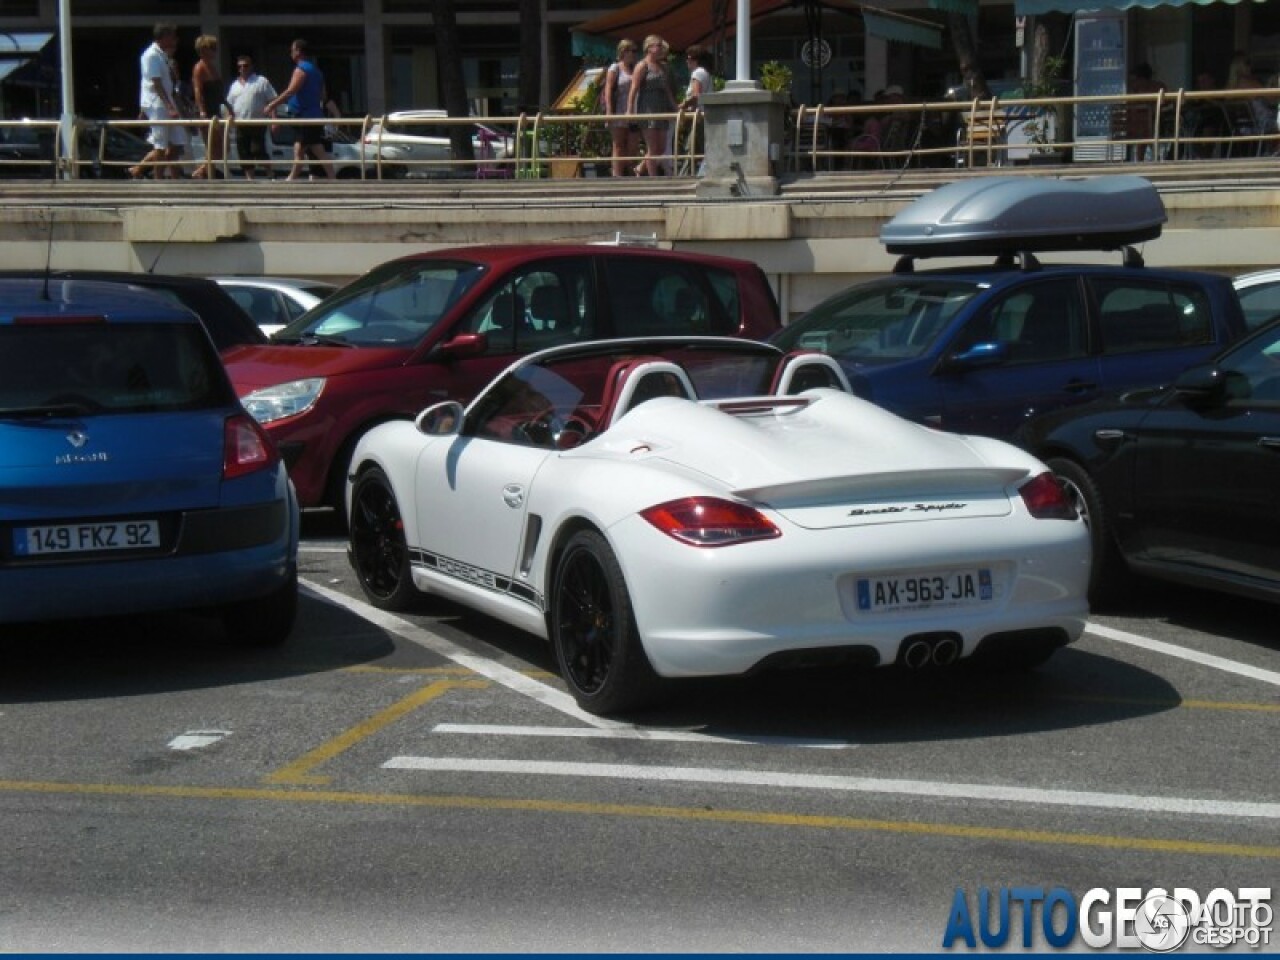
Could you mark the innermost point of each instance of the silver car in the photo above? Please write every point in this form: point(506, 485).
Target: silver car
point(273, 302)
point(416, 143)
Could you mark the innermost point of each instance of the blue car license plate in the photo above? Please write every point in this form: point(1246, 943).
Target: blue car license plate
point(952, 589)
point(86, 537)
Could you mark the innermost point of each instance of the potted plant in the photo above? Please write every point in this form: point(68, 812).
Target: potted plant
point(1043, 127)
point(775, 77)
point(574, 144)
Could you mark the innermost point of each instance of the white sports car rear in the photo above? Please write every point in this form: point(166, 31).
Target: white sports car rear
point(678, 507)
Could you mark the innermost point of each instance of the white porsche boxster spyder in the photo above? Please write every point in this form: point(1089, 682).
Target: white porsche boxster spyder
point(695, 506)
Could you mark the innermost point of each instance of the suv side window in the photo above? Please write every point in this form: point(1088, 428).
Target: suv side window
point(1040, 323)
point(1138, 315)
point(1261, 303)
point(652, 297)
point(537, 307)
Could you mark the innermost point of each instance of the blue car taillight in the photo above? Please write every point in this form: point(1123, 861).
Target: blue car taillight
point(246, 448)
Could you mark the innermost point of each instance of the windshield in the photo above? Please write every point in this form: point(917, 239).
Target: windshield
point(893, 319)
point(392, 306)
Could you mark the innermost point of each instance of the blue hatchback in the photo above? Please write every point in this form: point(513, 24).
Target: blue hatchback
point(131, 479)
point(981, 349)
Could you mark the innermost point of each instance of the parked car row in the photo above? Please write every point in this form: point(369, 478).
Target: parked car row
point(646, 444)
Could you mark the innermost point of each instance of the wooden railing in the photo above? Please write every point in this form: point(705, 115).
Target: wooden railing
point(1158, 127)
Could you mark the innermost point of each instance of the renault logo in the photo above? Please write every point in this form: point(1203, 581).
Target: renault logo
point(77, 438)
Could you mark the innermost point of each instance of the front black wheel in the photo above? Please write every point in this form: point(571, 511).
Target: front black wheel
point(379, 550)
point(594, 632)
point(1109, 571)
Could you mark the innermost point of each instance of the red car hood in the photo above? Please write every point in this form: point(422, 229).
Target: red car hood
point(254, 367)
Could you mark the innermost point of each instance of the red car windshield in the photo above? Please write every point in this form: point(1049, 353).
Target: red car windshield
point(395, 305)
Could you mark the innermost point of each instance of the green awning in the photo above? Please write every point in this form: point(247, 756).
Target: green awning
point(598, 48)
point(967, 7)
point(900, 29)
point(1031, 8)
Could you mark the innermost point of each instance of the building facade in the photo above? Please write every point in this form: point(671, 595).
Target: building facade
point(380, 55)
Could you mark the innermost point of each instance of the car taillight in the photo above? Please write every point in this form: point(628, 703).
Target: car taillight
point(245, 447)
point(1047, 499)
point(710, 522)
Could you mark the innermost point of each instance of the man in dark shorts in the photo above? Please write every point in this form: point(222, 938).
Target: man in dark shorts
point(248, 97)
point(305, 95)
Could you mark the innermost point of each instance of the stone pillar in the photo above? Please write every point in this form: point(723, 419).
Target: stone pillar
point(744, 130)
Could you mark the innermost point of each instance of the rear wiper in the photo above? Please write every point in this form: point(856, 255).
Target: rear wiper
point(48, 410)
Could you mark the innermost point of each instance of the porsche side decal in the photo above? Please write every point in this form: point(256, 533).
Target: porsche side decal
point(477, 576)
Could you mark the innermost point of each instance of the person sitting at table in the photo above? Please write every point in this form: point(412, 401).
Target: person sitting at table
point(1258, 115)
point(1141, 126)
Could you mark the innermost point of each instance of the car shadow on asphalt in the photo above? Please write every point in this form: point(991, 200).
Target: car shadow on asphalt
point(892, 705)
point(1192, 608)
point(1075, 688)
point(157, 653)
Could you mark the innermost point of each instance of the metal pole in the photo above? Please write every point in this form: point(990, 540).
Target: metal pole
point(742, 75)
point(68, 87)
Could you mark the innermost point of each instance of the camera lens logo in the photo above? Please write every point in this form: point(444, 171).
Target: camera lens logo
point(1161, 924)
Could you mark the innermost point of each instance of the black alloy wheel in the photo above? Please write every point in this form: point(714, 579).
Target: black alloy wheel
point(379, 551)
point(593, 629)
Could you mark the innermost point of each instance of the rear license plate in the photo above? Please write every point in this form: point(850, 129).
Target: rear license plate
point(86, 537)
point(951, 589)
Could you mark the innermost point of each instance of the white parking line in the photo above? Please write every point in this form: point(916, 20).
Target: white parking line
point(637, 733)
point(1128, 803)
point(485, 667)
point(1182, 653)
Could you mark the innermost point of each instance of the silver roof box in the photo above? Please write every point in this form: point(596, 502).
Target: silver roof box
point(1008, 215)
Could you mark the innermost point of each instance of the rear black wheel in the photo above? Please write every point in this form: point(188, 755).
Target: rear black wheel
point(594, 632)
point(1109, 572)
point(264, 621)
point(379, 550)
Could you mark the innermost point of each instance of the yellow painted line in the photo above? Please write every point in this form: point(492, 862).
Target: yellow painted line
point(1229, 705)
point(298, 772)
point(688, 814)
point(412, 671)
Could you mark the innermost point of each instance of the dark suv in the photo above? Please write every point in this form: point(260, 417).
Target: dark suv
point(980, 349)
point(439, 326)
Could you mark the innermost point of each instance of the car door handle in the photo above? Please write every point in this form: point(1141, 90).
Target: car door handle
point(1269, 443)
point(1109, 438)
point(513, 495)
point(1080, 386)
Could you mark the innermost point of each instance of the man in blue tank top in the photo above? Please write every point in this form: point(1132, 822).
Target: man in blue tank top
point(305, 96)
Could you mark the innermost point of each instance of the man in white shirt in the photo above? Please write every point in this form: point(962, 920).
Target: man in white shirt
point(158, 101)
point(248, 97)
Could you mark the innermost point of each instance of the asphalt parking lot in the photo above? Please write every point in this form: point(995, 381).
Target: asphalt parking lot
point(424, 782)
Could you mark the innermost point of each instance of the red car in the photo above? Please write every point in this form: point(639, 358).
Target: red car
point(441, 325)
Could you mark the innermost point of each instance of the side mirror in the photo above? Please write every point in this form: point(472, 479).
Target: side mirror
point(440, 419)
point(1203, 384)
point(463, 346)
point(990, 354)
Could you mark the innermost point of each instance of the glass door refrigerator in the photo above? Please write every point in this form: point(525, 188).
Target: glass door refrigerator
point(1101, 69)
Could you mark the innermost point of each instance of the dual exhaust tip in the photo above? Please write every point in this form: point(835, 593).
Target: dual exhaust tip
point(931, 650)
